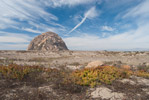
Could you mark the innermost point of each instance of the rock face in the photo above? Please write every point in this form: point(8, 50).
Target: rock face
point(106, 93)
point(48, 41)
point(126, 67)
point(94, 64)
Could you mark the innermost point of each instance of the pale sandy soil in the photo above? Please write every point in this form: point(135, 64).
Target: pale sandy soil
point(50, 59)
point(134, 88)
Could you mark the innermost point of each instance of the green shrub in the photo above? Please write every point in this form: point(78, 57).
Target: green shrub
point(96, 76)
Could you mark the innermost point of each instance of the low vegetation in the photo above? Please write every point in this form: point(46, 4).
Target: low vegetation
point(143, 67)
point(142, 73)
point(64, 82)
point(14, 71)
point(96, 76)
point(85, 77)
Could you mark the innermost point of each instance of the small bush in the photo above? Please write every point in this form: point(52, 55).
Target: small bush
point(65, 81)
point(142, 73)
point(96, 76)
point(75, 63)
point(14, 71)
point(144, 68)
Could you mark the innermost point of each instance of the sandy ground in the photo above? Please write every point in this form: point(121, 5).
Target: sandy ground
point(50, 59)
point(134, 88)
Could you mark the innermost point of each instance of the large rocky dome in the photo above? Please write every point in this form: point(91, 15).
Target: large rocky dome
point(48, 41)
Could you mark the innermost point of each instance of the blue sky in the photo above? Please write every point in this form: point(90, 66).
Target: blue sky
point(82, 24)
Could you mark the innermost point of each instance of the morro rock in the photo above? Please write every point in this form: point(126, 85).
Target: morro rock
point(48, 41)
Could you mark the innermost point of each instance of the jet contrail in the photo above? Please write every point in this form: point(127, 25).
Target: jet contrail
point(89, 14)
point(78, 24)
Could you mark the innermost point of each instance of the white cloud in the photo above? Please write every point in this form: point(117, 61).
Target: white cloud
point(125, 41)
point(58, 3)
point(12, 12)
point(6, 37)
point(13, 41)
point(20, 46)
point(128, 40)
point(139, 14)
point(31, 10)
point(6, 22)
point(118, 4)
point(107, 28)
point(15, 13)
point(105, 34)
point(40, 28)
point(91, 13)
point(32, 30)
point(131, 39)
point(141, 10)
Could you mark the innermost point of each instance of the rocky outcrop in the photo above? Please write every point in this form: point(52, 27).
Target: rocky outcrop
point(48, 41)
point(94, 64)
point(126, 67)
point(106, 93)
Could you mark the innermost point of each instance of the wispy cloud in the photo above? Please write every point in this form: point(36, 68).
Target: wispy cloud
point(125, 41)
point(25, 9)
point(6, 37)
point(107, 28)
point(141, 10)
point(91, 13)
point(40, 27)
point(35, 16)
point(32, 30)
point(16, 12)
point(19, 46)
point(130, 39)
point(59, 3)
point(14, 41)
point(12, 12)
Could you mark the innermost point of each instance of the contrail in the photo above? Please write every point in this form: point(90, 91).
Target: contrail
point(89, 14)
point(78, 24)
